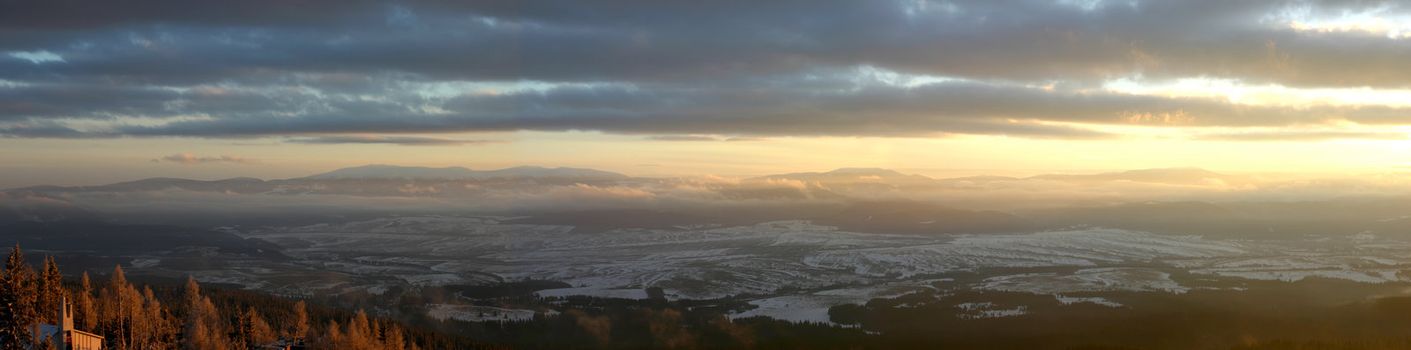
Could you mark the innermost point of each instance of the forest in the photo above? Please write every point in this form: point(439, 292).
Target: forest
point(139, 317)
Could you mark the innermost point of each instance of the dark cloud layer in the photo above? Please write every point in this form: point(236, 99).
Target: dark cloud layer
point(853, 68)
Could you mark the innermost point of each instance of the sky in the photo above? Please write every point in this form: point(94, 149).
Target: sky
point(97, 92)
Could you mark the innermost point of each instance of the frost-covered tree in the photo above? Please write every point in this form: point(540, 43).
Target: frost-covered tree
point(17, 302)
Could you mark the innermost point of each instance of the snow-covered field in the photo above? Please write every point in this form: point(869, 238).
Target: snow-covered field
point(1085, 280)
point(794, 269)
point(632, 293)
point(704, 263)
point(813, 307)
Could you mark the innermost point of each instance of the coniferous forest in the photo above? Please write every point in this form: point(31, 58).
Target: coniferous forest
point(135, 316)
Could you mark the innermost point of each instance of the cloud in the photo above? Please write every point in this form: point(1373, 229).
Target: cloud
point(42, 129)
point(190, 159)
point(702, 138)
point(83, 101)
point(860, 101)
point(840, 105)
point(688, 138)
point(391, 140)
point(644, 40)
point(745, 139)
point(1303, 136)
point(1024, 68)
point(37, 57)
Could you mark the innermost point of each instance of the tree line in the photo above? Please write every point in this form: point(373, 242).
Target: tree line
point(133, 317)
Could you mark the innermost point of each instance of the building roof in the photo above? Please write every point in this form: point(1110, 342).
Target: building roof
point(48, 330)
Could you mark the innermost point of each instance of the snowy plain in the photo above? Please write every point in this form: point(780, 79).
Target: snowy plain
point(793, 270)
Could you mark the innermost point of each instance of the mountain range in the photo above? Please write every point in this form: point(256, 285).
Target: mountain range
point(845, 179)
point(381, 171)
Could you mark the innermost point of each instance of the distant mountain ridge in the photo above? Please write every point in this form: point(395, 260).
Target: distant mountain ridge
point(888, 177)
point(1185, 176)
point(848, 174)
point(381, 171)
point(386, 179)
point(362, 180)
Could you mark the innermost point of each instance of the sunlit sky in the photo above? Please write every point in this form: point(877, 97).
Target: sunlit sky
point(113, 92)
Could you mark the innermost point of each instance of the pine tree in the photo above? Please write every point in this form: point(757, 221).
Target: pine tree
point(253, 330)
point(194, 331)
point(374, 337)
point(359, 334)
point(17, 302)
point(193, 291)
point(212, 330)
point(116, 310)
point(299, 328)
point(153, 328)
point(51, 292)
point(332, 339)
point(85, 312)
point(260, 331)
point(393, 338)
point(205, 328)
point(8, 308)
point(242, 329)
